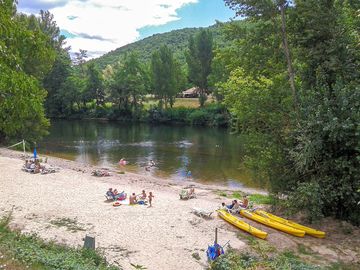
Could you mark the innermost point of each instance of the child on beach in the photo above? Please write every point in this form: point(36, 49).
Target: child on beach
point(150, 198)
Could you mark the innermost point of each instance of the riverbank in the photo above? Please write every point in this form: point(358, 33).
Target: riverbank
point(70, 204)
point(211, 115)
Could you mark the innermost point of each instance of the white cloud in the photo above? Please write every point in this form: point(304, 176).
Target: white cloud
point(104, 25)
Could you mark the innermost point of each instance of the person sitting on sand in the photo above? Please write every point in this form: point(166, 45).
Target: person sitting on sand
point(230, 206)
point(150, 198)
point(132, 199)
point(142, 196)
point(37, 166)
point(236, 205)
point(191, 192)
point(245, 202)
point(223, 206)
point(110, 193)
point(27, 164)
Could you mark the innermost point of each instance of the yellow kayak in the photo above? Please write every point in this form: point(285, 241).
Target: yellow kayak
point(273, 224)
point(307, 230)
point(241, 224)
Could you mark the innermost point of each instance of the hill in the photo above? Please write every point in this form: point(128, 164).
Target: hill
point(177, 40)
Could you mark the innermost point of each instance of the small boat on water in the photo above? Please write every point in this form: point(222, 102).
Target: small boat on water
point(307, 230)
point(241, 224)
point(273, 224)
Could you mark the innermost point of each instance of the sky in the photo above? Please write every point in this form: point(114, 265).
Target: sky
point(100, 26)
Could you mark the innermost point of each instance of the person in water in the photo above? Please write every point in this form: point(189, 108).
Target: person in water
point(122, 162)
point(151, 163)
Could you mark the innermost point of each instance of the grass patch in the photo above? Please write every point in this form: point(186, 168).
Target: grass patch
point(222, 193)
point(138, 266)
point(33, 253)
point(261, 199)
point(302, 249)
point(235, 260)
point(68, 223)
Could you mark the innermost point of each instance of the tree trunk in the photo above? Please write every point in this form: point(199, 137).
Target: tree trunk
point(288, 56)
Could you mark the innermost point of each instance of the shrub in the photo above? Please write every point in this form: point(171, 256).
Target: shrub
point(307, 197)
point(199, 117)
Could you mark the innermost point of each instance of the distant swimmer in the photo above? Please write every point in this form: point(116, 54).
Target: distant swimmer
point(122, 162)
point(151, 163)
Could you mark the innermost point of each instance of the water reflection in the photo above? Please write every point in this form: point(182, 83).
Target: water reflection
point(212, 155)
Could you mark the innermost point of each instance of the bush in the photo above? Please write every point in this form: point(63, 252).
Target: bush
point(237, 261)
point(327, 148)
point(307, 197)
point(199, 117)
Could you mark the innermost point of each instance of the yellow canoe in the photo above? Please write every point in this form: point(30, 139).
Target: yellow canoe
point(241, 224)
point(273, 224)
point(307, 230)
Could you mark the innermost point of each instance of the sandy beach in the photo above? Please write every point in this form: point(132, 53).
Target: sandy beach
point(164, 236)
point(154, 237)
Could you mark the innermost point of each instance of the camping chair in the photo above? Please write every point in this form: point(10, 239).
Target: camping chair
point(185, 194)
point(201, 212)
point(109, 196)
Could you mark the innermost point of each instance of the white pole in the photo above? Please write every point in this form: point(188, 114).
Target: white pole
point(24, 148)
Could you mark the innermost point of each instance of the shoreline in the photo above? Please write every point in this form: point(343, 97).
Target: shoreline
point(68, 205)
point(88, 168)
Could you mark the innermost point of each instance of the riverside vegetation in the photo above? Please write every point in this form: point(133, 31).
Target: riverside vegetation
point(287, 75)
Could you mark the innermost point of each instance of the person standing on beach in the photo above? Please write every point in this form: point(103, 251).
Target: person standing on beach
point(150, 198)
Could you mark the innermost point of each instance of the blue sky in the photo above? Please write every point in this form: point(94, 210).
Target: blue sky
point(99, 26)
point(201, 14)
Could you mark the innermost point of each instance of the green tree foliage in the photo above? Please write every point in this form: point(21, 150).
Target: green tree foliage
point(54, 83)
point(313, 154)
point(199, 58)
point(327, 139)
point(95, 86)
point(166, 75)
point(176, 40)
point(25, 57)
point(128, 84)
point(269, 10)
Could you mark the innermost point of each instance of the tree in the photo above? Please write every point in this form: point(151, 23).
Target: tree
point(21, 95)
point(80, 59)
point(128, 83)
point(95, 87)
point(199, 58)
point(166, 75)
point(269, 10)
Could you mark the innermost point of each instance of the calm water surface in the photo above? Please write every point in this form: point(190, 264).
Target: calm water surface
point(212, 155)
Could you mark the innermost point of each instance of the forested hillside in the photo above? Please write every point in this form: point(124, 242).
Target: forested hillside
point(176, 40)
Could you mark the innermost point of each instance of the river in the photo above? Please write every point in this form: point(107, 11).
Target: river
point(211, 155)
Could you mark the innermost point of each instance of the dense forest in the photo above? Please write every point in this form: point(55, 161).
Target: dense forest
point(287, 75)
point(176, 40)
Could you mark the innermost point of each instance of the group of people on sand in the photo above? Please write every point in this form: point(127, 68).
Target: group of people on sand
point(236, 205)
point(115, 194)
point(141, 198)
point(33, 165)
